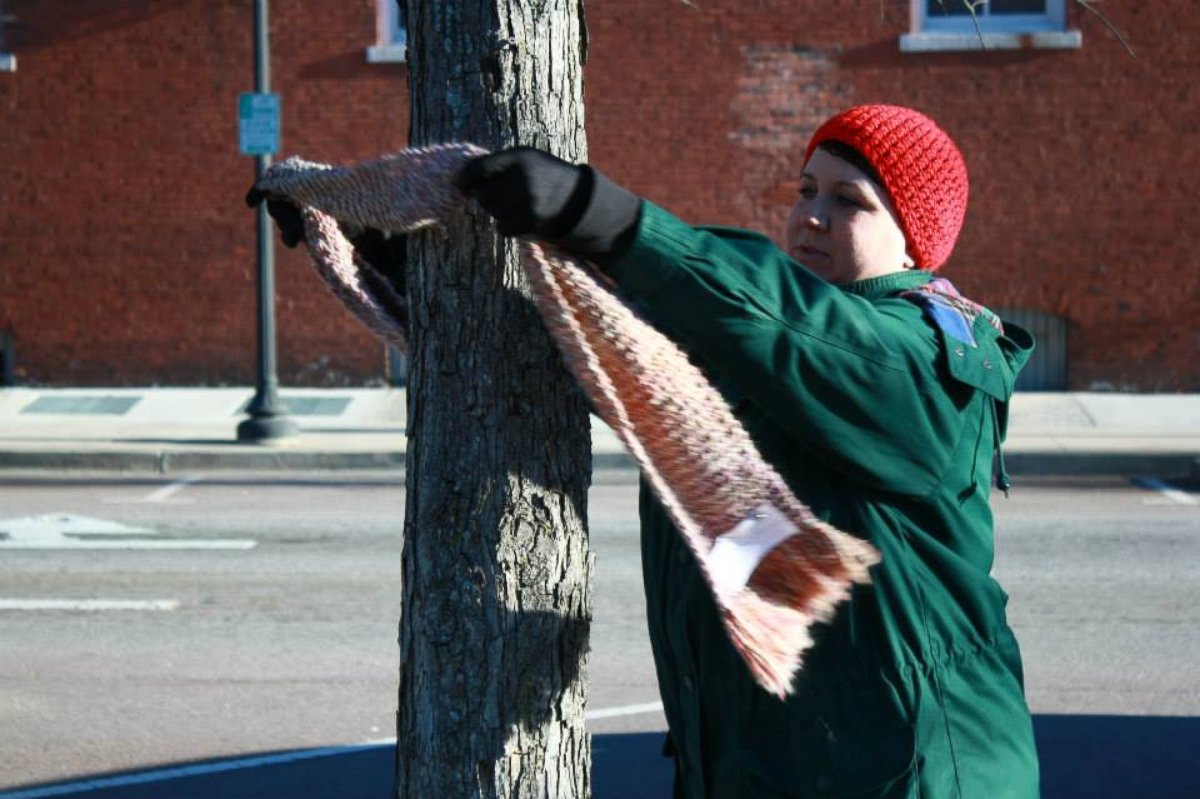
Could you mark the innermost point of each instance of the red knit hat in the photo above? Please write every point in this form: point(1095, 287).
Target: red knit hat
point(922, 170)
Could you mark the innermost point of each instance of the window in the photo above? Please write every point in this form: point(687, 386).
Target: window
point(1047, 367)
point(8, 61)
point(1006, 16)
point(391, 39)
point(996, 25)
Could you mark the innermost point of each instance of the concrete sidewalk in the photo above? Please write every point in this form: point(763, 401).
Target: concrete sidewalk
point(180, 430)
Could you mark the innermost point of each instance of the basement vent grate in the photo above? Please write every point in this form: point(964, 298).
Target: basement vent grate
point(91, 406)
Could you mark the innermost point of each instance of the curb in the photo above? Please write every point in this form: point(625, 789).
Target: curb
point(170, 462)
point(1170, 465)
point(251, 460)
point(1095, 464)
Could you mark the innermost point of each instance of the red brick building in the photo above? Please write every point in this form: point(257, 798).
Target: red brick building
point(127, 257)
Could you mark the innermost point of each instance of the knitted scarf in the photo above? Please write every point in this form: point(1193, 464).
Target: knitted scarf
point(774, 568)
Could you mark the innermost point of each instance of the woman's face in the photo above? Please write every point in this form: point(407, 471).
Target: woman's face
point(843, 226)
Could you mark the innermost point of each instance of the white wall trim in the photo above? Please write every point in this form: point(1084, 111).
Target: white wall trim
point(929, 42)
point(391, 38)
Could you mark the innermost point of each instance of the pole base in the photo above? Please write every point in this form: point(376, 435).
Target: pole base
point(259, 429)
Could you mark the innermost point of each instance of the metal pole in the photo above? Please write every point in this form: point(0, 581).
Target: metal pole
point(7, 367)
point(268, 416)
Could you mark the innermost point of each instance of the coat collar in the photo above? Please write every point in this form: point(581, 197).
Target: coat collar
point(874, 288)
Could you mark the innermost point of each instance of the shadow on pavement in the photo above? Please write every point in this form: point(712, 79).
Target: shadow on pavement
point(1097, 757)
point(1119, 757)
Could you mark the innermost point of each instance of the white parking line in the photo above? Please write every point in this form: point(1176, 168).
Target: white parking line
point(71, 531)
point(624, 710)
point(171, 490)
point(164, 774)
point(1167, 490)
point(182, 543)
point(160, 495)
point(89, 604)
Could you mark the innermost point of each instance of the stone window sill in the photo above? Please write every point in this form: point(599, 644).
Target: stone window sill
point(934, 42)
point(387, 54)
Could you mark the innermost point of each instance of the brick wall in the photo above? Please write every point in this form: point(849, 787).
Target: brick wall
point(125, 256)
point(128, 256)
point(1080, 202)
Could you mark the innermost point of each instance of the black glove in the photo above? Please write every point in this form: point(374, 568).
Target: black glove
point(286, 215)
point(530, 192)
point(387, 254)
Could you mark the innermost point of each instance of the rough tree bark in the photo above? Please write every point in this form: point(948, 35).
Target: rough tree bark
point(496, 569)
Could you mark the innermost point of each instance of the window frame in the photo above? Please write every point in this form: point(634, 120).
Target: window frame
point(391, 37)
point(1055, 19)
point(8, 61)
point(933, 32)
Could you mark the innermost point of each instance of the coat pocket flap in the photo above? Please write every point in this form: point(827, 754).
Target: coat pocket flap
point(982, 367)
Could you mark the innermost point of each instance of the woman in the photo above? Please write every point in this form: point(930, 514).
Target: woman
point(881, 396)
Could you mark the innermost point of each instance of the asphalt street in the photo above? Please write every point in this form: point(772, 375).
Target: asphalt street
point(233, 635)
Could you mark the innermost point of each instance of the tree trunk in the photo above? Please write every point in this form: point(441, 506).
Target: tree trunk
point(496, 569)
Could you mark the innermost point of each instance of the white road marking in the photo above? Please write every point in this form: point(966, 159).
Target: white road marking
point(168, 491)
point(164, 774)
point(182, 543)
point(624, 710)
point(68, 531)
point(592, 715)
point(160, 496)
point(88, 604)
point(182, 772)
point(1168, 491)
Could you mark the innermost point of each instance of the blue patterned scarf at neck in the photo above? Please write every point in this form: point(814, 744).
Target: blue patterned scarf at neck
point(951, 311)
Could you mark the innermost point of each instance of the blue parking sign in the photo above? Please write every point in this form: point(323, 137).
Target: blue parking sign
point(258, 123)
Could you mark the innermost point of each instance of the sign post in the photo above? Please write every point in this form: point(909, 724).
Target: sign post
point(258, 135)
